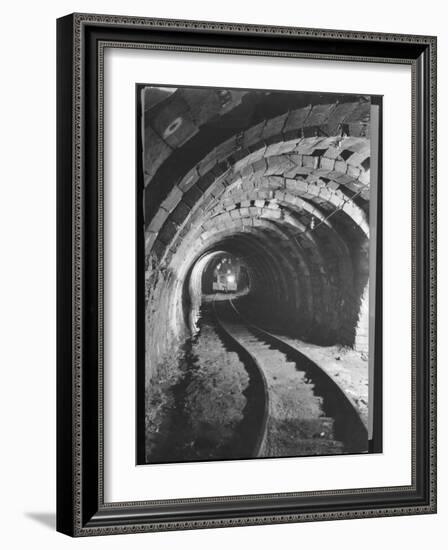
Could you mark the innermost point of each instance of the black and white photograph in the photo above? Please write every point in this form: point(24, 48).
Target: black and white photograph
point(258, 273)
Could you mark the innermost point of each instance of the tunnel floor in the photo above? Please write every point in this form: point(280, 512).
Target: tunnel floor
point(240, 394)
point(210, 411)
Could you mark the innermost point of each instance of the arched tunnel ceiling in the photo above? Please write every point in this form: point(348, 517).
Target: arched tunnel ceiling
point(283, 184)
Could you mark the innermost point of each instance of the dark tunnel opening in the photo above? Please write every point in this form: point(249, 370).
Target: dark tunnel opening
point(318, 297)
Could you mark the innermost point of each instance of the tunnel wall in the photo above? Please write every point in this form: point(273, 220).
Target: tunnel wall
point(164, 317)
point(361, 342)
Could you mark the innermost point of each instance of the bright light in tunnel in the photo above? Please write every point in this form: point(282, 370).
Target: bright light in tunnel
point(230, 278)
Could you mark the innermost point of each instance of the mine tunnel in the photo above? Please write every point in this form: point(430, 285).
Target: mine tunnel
point(256, 221)
point(277, 182)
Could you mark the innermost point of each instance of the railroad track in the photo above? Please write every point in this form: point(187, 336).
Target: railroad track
point(302, 411)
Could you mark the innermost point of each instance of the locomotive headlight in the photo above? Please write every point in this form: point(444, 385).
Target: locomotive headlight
point(230, 278)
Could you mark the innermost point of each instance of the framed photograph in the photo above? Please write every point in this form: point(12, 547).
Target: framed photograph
point(246, 274)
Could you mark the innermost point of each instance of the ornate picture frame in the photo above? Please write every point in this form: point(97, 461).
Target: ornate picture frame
point(82, 509)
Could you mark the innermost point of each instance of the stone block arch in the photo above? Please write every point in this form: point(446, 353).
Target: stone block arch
point(289, 193)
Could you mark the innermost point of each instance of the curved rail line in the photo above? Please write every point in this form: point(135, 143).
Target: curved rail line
point(338, 429)
point(287, 346)
point(259, 389)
